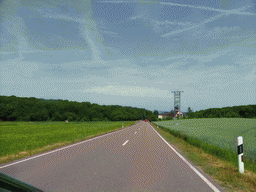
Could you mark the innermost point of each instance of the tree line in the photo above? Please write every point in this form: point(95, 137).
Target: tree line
point(14, 108)
point(241, 111)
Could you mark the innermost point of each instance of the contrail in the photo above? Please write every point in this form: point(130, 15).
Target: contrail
point(86, 26)
point(233, 11)
point(205, 21)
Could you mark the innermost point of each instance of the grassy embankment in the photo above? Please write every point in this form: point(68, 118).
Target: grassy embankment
point(211, 145)
point(23, 139)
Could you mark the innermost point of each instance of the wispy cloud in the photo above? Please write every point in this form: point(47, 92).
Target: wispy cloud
point(173, 23)
point(233, 11)
point(134, 91)
point(141, 14)
point(20, 43)
point(188, 25)
point(226, 13)
point(79, 18)
point(88, 29)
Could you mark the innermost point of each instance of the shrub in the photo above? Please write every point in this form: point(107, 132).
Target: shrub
point(85, 119)
point(26, 118)
point(20, 119)
point(1, 120)
point(70, 119)
point(210, 116)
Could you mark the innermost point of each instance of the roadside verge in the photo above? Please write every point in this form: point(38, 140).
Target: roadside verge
point(224, 173)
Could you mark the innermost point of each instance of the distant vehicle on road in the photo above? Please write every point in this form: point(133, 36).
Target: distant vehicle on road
point(146, 120)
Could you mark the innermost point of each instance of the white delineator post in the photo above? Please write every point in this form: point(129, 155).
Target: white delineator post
point(240, 152)
point(122, 125)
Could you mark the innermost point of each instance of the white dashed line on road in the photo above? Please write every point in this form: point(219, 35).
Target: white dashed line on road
point(125, 142)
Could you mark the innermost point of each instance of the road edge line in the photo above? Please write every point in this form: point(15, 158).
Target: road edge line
point(64, 147)
point(193, 168)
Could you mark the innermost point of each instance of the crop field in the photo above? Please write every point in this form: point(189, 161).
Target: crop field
point(219, 132)
point(17, 137)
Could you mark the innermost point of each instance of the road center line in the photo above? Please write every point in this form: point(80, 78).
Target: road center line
point(125, 142)
point(62, 148)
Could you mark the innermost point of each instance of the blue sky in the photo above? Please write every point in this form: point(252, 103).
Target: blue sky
point(130, 53)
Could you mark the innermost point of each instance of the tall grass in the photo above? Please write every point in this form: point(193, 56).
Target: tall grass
point(24, 136)
point(218, 136)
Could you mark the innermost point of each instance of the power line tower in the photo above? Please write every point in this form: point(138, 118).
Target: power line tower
point(176, 102)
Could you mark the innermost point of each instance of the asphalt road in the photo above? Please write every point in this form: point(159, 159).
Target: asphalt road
point(135, 158)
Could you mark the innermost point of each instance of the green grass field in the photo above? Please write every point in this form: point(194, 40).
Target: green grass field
point(218, 132)
point(17, 137)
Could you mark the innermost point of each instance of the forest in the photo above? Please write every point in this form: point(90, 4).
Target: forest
point(14, 108)
point(241, 111)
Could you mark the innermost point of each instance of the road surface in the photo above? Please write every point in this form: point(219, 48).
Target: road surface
point(135, 158)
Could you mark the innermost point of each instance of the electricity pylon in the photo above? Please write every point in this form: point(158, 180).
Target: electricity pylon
point(177, 102)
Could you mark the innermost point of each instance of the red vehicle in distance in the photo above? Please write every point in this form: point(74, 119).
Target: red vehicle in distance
point(146, 120)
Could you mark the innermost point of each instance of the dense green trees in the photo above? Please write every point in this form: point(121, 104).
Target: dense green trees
point(156, 113)
point(242, 111)
point(14, 108)
point(189, 111)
